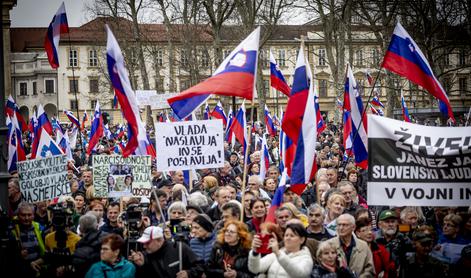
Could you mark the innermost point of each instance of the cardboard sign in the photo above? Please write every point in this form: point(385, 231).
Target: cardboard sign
point(43, 179)
point(144, 97)
point(415, 165)
point(189, 145)
point(117, 176)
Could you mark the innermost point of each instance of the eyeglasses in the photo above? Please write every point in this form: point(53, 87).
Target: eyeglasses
point(230, 232)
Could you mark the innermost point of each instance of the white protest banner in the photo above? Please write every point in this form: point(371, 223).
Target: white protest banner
point(44, 178)
point(118, 176)
point(415, 165)
point(159, 101)
point(144, 97)
point(189, 145)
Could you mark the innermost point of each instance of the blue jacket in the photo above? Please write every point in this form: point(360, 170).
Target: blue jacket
point(202, 247)
point(123, 269)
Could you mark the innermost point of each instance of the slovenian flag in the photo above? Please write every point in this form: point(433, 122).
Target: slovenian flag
point(72, 118)
point(277, 79)
point(97, 130)
point(11, 109)
point(16, 150)
point(236, 76)
point(269, 123)
point(57, 27)
point(43, 125)
point(218, 113)
point(354, 105)
point(405, 111)
point(405, 58)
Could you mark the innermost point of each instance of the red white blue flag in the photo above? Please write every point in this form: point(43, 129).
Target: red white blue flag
point(405, 58)
point(304, 166)
point(269, 123)
point(97, 130)
point(16, 150)
point(264, 158)
point(277, 80)
point(239, 126)
point(206, 112)
point(84, 119)
point(72, 118)
point(43, 124)
point(354, 105)
point(236, 76)
point(57, 27)
point(405, 111)
point(218, 113)
point(47, 147)
point(12, 109)
point(377, 102)
point(277, 200)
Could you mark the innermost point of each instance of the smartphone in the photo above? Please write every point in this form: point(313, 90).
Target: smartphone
point(404, 228)
point(264, 249)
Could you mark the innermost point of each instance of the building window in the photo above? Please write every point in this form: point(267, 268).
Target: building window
point(265, 57)
point(281, 58)
point(93, 104)
point(266, 87)
point(447, 85)
point(184, 84)
point(322, 60)
point(184, 58)
point(463, 84)
point(133, 57)
point(92, 58)
point(226, 53)
point(49, 86)
point(462, 57)
point(23, 89)
point(322, 88)
point(204, 58)
point(73, 58)
point(35, 88)
point(359, 57)
point(74, 104)
point(159, 58)
point(93, 85)
point(446, 59)
point(375, 56)
point(73, 85)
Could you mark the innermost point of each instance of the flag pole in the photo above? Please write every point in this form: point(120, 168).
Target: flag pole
point(75, 94)
point(362, 117)
point(246, 153)
point(467, 118)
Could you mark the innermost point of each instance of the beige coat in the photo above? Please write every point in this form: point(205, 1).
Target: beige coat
point(361, 260)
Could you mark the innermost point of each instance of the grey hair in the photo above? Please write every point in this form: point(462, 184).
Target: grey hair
point(197, 199)
point(316, 206)
point(256, 179)
point(88, 223)
point(25, 205)
point(416, 210)
point(345, 183)
point(177, 206)
point(348, 217)
point(325, 245)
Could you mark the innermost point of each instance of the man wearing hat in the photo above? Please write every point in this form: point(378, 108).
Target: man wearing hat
point(388, 235)
point(420, 263)
point(161, 257)
point(202, 244)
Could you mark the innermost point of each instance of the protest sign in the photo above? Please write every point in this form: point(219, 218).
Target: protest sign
point(118, 176)
point(144, 97)
point(415, 165)
point(44, 178)
point(159, 101)
point(189, 145)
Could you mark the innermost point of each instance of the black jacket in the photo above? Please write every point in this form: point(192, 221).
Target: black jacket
point(165, 262)
point(215, 265)
point(87, 252)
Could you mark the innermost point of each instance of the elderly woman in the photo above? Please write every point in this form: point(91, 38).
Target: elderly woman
point(229, 255)
point(112, 263)
point(204, 237)
point(293, 260)
point(328, 264)
point(177, 225)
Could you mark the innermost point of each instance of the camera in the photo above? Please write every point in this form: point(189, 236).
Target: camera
point(177, 228)
point(132, 219)
point(61, 215)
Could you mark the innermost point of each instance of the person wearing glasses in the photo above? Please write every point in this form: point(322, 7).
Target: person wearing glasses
point(229, 255)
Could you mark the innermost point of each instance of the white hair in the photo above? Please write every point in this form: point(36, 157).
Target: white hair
point(197, 199)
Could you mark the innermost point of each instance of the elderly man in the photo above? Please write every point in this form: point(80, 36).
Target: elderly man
point(255, 184)
point(222, 197)
point(161, 258)
point(350, 194)
point(29, 236)
point(316, 229)
point(14, 196)
point(388, 235)
point(353, 251)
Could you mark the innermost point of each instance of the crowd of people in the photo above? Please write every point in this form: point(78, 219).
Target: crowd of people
point(212, 228)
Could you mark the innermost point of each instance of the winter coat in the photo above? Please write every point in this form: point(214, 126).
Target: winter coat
point(361, 259)
point(123, 269)
point(165, 262)
point(382, 261)
point(215, 265)
point(297, 264)
point(320, 271)
point(87, 252)
point(203, 247)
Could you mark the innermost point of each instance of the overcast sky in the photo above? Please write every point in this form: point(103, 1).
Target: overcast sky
point(39, 13)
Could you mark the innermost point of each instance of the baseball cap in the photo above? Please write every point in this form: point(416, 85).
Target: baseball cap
point(387, 214)
point(151, 233)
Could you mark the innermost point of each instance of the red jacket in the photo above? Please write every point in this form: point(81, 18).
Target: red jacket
point(382, 261)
